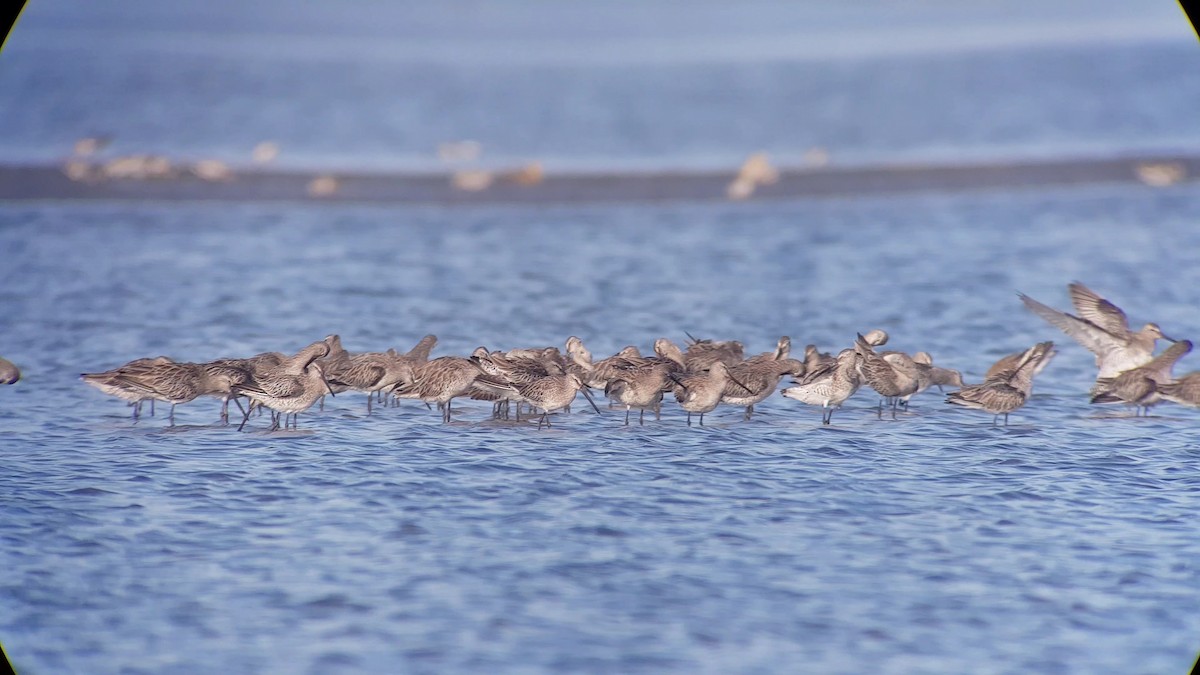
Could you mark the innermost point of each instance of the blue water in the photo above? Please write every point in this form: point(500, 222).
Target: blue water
point(1063, 543)
point(656, 85)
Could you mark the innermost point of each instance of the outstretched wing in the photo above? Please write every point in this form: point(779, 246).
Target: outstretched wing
point(1096, 339)
point(1097, 310)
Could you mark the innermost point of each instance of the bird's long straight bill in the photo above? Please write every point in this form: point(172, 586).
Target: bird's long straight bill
point(591, 400)
point(738, 383)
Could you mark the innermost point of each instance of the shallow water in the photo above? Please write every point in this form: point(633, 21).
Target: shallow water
point(1065, 542)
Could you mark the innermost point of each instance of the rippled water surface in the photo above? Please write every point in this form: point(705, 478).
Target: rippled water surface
point(655, 84)
point(1066, 542)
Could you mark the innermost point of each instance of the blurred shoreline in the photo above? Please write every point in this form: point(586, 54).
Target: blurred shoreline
point(76, 180)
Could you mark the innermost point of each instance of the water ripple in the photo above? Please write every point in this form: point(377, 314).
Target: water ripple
point(934, 542)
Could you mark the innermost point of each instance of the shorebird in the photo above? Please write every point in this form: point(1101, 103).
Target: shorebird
point(893, 375)
point(177, 383)
point(442, 380)
point(1008, 389)
point(876, 337)
point(222, 376)
point(332, 363)
point(1009, 362)
point(641, 389)
point(701, 392)
point(110, 383)
point(9, 373)
point(505, 371)
point(753, 381)
point(553, 392)
point(929, 375)
point(939, 377)
point(371, 372)
point(596, 374)
point(666, 350)
point(816, 360)
point(1139, 387)
point(1043, 358)
point(1103, 329)
point(289, 388)
point(829, 386)
point(253, 366)
point(783, 350)
point(642, 383)
point(1185, 390)
point(422, 349)
point(701, 354)
point(413, 358)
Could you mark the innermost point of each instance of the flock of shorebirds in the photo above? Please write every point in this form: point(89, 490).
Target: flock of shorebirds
point(706, 374)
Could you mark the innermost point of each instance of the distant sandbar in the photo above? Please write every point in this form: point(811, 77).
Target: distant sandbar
point(79, 181)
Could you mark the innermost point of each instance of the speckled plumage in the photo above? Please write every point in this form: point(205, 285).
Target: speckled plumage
point(291, 387)
point(1009, 388)
point(830, 385)
point(1103, 329)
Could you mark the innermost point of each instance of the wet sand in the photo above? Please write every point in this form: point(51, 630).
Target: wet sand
point(258, 184)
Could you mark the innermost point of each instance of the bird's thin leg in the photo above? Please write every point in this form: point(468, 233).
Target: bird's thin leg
point(245, 416)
